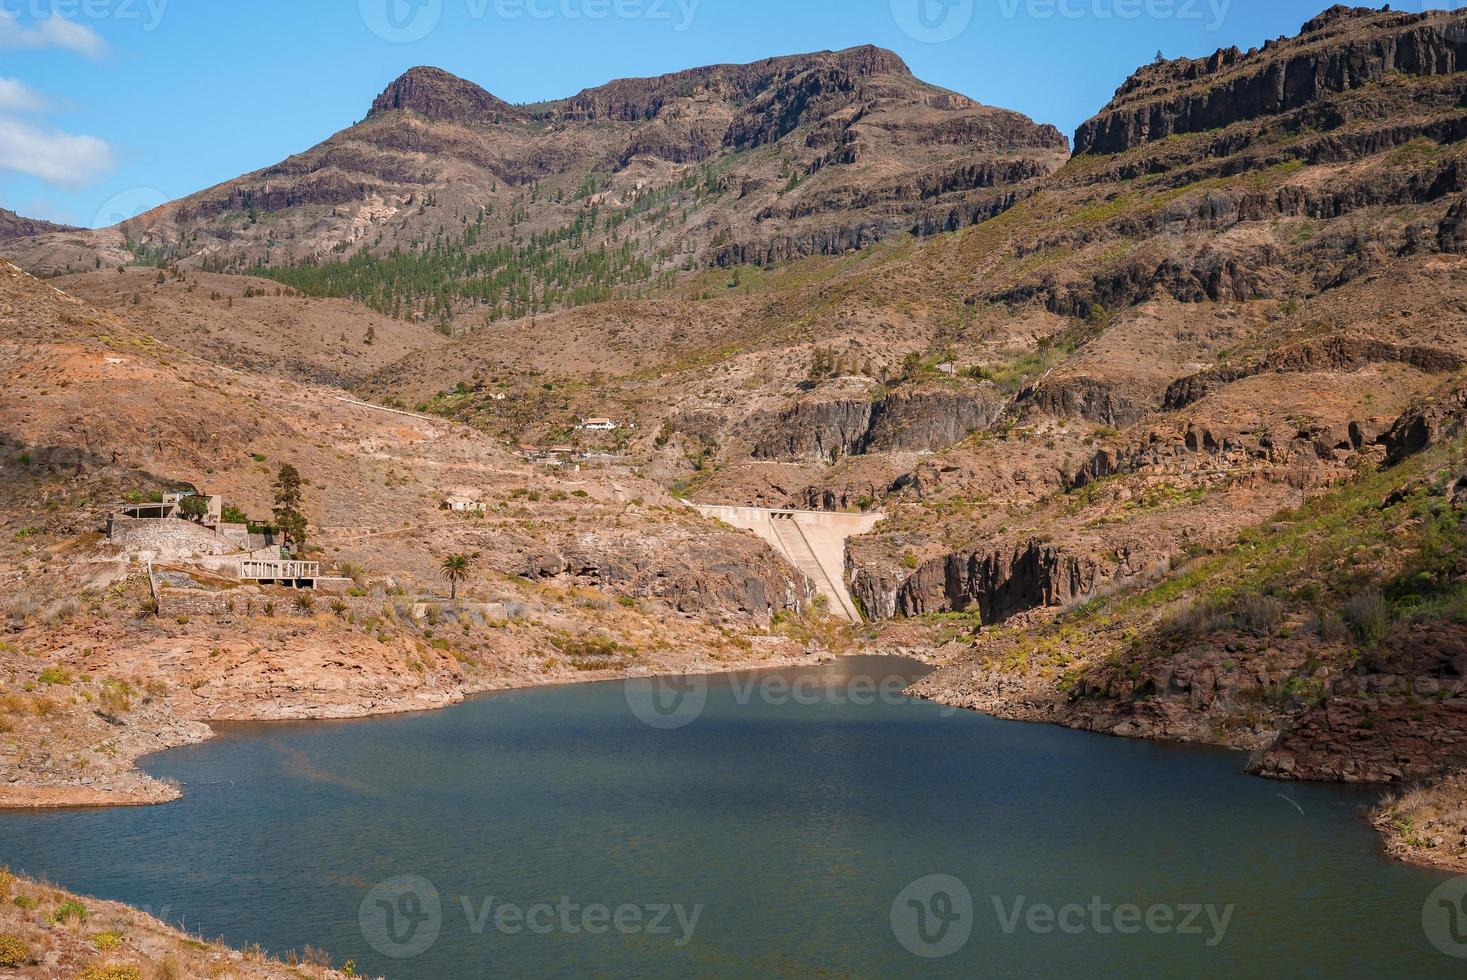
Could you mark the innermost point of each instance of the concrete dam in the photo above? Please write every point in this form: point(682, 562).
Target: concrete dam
point(812, 541)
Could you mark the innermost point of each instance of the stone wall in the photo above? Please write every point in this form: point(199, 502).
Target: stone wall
point(253, 602)
point(168, 539)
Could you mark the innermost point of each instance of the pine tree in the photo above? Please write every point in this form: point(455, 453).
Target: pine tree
point(288, 516)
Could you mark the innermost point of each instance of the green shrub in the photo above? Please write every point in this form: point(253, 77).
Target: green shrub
point(55, 675)
point(111, 971)
point(1369, 616)
point(70, 911)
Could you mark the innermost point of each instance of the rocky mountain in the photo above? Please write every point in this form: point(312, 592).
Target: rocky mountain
point(13, 225)
point(1168, 447)
point(1341, 50)
point(446, 200)
point(1168, 433)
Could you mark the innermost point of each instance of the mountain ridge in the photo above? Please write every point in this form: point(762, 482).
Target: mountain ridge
point(13, 225)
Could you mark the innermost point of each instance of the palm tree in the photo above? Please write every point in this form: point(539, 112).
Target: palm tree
point(455, 569)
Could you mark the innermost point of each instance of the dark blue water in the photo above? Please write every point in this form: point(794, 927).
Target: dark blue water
point(783, 828)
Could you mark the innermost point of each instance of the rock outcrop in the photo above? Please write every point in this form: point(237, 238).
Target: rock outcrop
point(902, 422)
point(1338, 353)
point(1430, 421)
point(999, 584)
point(735, 577)
point(1342, 50)
point(435, 94)
point(1402, 716)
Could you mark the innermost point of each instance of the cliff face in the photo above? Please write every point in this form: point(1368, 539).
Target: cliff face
point(998, 584)
point(904, 422)
point(1341, 50)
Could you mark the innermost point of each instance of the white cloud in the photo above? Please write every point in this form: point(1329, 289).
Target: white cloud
point(53, 32)
point(51, 155)
point(16, 96)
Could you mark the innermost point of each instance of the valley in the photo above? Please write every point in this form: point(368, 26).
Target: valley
point(1159, 432)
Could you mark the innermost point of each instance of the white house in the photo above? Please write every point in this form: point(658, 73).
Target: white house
point(464, 504)
point(599, 425)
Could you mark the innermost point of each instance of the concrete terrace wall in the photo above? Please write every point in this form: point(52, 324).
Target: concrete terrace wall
point(169, 538)
point(813, 541)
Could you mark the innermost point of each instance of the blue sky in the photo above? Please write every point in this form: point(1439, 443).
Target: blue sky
point(111, 106)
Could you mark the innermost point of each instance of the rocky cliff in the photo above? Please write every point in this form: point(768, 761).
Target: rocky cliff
point(902, 422)
point(997, 584)
point(1342, 50)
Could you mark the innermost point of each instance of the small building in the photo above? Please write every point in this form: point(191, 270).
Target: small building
point(599, 425)
point(170, 507)
point(464, 504)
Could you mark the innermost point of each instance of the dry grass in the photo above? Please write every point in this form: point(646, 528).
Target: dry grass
point(46, 932)
point(1428, 823)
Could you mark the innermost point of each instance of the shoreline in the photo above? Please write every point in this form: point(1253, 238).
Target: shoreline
point(133, 787)
point(1397, 838)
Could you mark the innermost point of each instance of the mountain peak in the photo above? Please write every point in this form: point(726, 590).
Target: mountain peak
point(441, 96)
